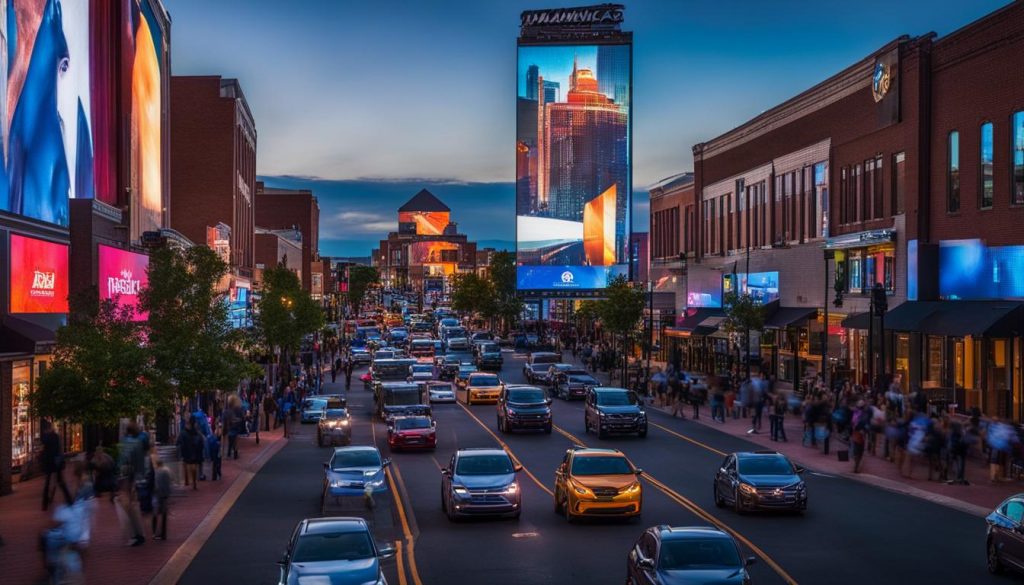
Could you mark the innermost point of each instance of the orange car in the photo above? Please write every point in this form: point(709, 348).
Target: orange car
point(597, 482)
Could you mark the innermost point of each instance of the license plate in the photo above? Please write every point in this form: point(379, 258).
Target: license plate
point(355, 484)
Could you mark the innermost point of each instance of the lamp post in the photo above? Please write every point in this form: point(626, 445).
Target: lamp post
point(650, 328)
point(829, 255)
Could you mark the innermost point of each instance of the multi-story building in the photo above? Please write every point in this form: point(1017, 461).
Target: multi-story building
point(426, 250)
point(296, 210)
point(213, 158)
point(672, 244)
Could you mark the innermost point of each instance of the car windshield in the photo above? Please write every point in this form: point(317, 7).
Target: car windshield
point(765, 466)
point(423, 368)
point(484, 380)
point(490, 348)
point(419, 422)
point(338, 546)
point(545, 359)
point(582, 379)
point(616, 398)
point(401, 397)
point(441, 388)
point(359, 458)
point(526, 396)
point(483, 465)
point(698, 554)
point(335, 413)
point(600, 465)
point(314, 404)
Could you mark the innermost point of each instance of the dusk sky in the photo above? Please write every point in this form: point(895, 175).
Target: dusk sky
point(392, 91)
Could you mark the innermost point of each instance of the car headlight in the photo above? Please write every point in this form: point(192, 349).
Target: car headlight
point(601, 414)
point(581, 490)
point(512, 412)
point(345, 423)
point(376, 482)
point(512, 488)
point(643, 414)
point(336, 483)
point(460, 491)
point(748, 489)
point(631, 489)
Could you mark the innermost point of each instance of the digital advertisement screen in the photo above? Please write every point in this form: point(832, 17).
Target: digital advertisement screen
point(39, 276)
point(763, 287)
point(146, 65)
point(970, 270)
point(122, 276)
point(238, 305)
point(573, 168)
point(704, 289)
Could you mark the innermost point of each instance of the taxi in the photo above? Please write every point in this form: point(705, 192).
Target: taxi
point(597, 482)
point(480, 388)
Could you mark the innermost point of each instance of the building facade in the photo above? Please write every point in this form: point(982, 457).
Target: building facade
point(672, 245)
point(297, 210)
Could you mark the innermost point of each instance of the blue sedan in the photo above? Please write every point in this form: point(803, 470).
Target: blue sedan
point(354, 471)
point(339, 551)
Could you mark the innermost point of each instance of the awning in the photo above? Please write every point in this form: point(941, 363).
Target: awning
point(977, 318)
point(709, 325)
point(911, 315)
point(692, 317)
point(785, 316)
point(19, 335)
point(857, 321)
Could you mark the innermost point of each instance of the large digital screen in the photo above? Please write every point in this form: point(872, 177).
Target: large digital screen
point(39, 276)
point(573, 168)
point(121, 276)
point(146, 62)
point(763, 287)
point(970, 270)
point(704, 289)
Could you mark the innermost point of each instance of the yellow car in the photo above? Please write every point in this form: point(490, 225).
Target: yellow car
point(480, 388)
point(597, 482)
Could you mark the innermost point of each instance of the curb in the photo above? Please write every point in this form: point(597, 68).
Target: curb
point(179, 562)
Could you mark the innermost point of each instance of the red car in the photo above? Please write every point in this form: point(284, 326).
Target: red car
point(412, 432)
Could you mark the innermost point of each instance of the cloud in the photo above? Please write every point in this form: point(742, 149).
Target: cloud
point(349, 224)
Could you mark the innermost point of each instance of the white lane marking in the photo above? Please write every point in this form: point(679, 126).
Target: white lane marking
point(525, 534)
point(823, 475)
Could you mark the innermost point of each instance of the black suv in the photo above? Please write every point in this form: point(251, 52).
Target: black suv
point(614, 411)
point(488, 356)
point(762, 480)
point(524, 407)
point(667, 555)
point(573, 384)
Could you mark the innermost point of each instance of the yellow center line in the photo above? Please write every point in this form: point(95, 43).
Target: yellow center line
point(509, 451)
point(410, 551)
point(685, 438)
point(401, 566)
point(700, 512)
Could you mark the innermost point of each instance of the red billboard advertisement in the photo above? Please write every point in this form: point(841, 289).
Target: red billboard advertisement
point(122, 276)
point(39, 276)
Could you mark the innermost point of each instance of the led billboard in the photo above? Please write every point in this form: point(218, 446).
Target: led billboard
point(38, 276)
point(573, 168)
point(146, 64)
point(763, 287)
point(971, 270)
point(121, 276)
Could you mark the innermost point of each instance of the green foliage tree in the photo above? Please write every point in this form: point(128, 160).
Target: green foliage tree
point(191, 343)
point(742, 315)
point(507, 304)
point(622, 309)
point(360, 280)
point(472, 294)
point(100, 371)
point(286, 312)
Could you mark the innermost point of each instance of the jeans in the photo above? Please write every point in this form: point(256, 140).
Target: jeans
point(755, 420)
point(718, 411)
point(215, 463)
point(233, 445)
point(160, 513)
point(47, 495)
point(776, 427)
point(696, 409)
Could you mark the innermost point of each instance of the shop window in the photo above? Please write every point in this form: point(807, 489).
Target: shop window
point(953, 173)
point(987, 177)
point(903, 359)
point(933, 369)
point(1017, 192)
point(22, 433)
point(877, 189)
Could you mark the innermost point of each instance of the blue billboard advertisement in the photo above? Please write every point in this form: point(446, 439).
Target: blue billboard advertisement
point(763, 287)
point(970, 270)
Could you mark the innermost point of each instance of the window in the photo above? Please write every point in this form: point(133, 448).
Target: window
point(854, 270)
point(860, 202)
point(843, 195)
point(821, 194)
point(1015, 511)
point(1017, 193)
point(879, 194)
point(987, 178)
point(953, 173)
point(869, 189)
point(899, 181)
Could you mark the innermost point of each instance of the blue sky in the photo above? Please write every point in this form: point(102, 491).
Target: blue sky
point(406, 90)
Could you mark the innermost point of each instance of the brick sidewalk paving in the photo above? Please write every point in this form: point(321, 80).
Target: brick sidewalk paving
point(978, 498)
point(108, 560)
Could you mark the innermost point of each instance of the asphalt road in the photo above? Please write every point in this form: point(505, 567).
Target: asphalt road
point(852, 533)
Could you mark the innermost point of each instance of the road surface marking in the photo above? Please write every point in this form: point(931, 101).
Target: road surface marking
point(410, 550)
point(824, 475)
point(700, 512)
point(508, 450)
point(401, 566)
point(525, 534)
point(685, 438)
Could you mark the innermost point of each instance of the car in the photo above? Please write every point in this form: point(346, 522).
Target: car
point(335, 425)
point(333, 550)
point(480, 481)
point(412, 432)
point(479, 388)
point(574, 383)
point(698, 555)
point(488, 356)
point(463, 373)
point(597, 482)
point(312, 408)
point(482, 336)
point(361, 358)
point(548, 377)
point(353, 471)
point(448, 367)
point(384, 354)
point(421, 372)
point(538, 362)
point(1004, 540)
point(614, 411)
point(760, 480)
point(458, 344)
point(441, 392)
point(524, 408)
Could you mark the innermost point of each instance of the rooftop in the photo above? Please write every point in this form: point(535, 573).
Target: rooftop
point(424, 201)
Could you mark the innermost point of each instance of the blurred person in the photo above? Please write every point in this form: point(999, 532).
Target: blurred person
point(213, 447)
point(1000, 438)
point(190, 450)
point(52, 462)
point(104, 476)
point(717, 401)
point(233, 421)
point(132, 465)
point(956, 449)
point(162, 495)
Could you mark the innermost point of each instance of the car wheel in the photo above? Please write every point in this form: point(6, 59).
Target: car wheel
point(719, 501)
point(569, 516)
point(547, 429)
point(586, 426)
point(449, 510)
point(558, 503)
point(601, 433)
point(995, 565)
point(642, 434)
point(736, 504)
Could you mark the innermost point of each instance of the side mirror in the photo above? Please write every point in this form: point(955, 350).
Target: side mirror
point(645, 563)
point(444, 472)
point(639, 472)
point(517, 468)
point(385, 462)
point(750, 561)
point(327, 465)
point(799, 469)
point(385, 551)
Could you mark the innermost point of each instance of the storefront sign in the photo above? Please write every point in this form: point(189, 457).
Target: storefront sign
point(604, 14)
point(122, 276)
point(39, 276)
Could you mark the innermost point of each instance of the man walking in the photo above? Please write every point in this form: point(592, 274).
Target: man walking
point(269, 410)
point(132, 463)
point(162, 491)
point(348, 374)
point(52, 462)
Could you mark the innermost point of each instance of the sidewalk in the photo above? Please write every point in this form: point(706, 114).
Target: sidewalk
point(108, 560)
point(978, 498)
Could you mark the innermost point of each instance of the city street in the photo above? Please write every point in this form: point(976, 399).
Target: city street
point(851, 533)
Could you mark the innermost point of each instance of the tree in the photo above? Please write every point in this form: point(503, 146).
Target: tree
point(472, 294)
point(190, 340)
point(743, 314)
point(622, 309)
point(360, 279)
point(286, 313)
point(586, 313)
point(507, 304)
point(100, 371)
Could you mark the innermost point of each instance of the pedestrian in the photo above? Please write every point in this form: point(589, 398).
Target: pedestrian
point(52, 462)
point(233, 420)
point(132, 465)
point(104, 478)
point(957, 448)
point(269, 411)
point(349, 366)
point(756, 398)
point(190, 451)
point(162, 493)
point(213, 448)
point(698, 394)
point(776, 417)
point(717, 401)
point(857, 440)
point(677, 397)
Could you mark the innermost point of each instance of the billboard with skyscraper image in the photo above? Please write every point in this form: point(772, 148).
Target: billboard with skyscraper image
point(573, 168)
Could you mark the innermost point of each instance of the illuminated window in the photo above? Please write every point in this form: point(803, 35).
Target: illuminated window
point(1017, 129)
point(821, 196)
point(953, 173)
point(987, 178)
point(879, 194)
point(855, 272)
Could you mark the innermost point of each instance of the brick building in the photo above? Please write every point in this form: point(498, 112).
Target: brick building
point(276, 247)
point(672, 243)
point(297, 210)
point(213, 161)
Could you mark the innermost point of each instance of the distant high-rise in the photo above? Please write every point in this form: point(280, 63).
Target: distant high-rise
point(552, 90)
point(532, 74)
point(612, 73)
